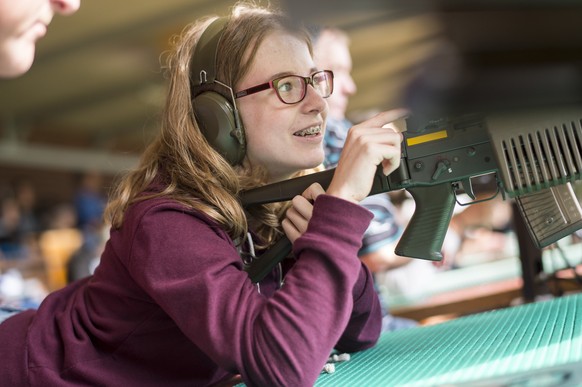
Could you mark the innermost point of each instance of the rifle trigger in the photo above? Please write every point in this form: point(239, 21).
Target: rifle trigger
point(468, 188)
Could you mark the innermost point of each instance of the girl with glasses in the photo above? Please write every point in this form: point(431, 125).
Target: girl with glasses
point(170, 303)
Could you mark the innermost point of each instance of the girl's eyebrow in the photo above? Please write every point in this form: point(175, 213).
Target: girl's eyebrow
point(286, 73)
point(281, 74)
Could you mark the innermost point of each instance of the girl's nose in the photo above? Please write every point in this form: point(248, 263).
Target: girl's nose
point(65, 7)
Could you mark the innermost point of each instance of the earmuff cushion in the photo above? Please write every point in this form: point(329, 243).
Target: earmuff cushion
point(215, 115)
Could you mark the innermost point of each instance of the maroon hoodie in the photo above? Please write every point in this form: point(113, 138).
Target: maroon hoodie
point(170, 305)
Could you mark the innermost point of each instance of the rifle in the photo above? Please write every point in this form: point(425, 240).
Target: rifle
point(534, 156)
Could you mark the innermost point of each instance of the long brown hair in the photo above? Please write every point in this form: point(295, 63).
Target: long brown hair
point(193, 172)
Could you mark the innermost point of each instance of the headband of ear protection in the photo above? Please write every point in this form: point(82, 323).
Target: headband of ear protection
point(213, 101)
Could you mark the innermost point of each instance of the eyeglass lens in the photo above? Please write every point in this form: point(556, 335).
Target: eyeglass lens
point(292, 88)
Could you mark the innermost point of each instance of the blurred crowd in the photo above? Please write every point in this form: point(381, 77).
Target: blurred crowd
point(45, 246)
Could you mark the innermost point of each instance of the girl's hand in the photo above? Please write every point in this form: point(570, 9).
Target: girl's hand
point(373, 142)
point(297, 217)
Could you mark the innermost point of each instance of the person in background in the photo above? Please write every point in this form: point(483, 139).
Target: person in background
point(25, 194)
point(170, 302)
point(19, 252)
point(19, 223)
point(22, 23)
point(89, 203)
point(12, 238)
point(331, 50)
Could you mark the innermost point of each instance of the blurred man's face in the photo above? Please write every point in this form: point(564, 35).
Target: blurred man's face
point(334, 54)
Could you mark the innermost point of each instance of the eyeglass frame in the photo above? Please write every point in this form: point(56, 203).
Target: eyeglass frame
point(272, 85)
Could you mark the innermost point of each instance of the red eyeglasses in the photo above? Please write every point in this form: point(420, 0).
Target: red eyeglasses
point(291, 89)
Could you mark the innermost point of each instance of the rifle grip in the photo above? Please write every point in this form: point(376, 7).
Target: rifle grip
point(424, 236)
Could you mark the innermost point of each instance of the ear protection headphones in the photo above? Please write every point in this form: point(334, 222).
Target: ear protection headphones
point(213, 101)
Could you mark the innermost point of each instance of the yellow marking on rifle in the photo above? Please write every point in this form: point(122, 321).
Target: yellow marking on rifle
point(426, 138)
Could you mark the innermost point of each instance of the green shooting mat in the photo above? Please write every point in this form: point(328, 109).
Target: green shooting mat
point(537, 344)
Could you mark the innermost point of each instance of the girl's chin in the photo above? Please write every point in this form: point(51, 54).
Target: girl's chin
point(18, 62)
point(311, 161)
